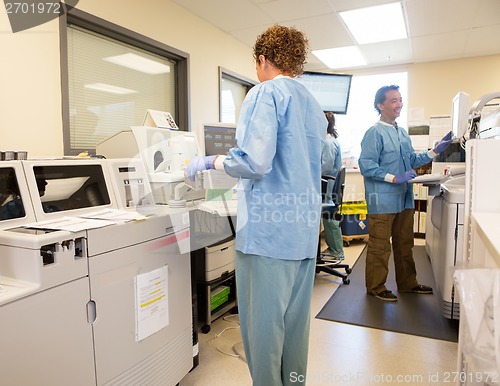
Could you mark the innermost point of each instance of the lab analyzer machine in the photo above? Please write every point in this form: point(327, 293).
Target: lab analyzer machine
point(165, 154)
point(210, 200)
point(463, 246)
point(94, 278)
point(447, 226)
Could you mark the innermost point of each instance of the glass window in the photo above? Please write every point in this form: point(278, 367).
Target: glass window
point(113, 77)
point(361, 114)
point(233, 89)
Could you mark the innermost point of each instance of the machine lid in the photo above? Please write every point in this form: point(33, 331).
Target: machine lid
point(454, 190)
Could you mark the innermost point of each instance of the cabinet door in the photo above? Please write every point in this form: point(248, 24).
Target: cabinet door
point(47, 339)
point(164, 357)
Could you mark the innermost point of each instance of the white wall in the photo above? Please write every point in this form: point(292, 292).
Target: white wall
point(432, 86)
point(30, 84)
point(30, 91)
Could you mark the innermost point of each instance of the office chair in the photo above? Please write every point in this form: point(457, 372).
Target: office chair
point(331, 210)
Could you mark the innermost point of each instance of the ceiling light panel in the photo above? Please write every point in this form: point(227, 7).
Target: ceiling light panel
point(342, 57)
point(376, 24)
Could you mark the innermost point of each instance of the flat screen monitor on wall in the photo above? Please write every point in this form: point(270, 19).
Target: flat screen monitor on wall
point(330, 90)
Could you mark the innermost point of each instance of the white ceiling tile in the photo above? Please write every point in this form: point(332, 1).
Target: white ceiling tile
point(249, 35)
point(483, 41)
point(439, 47)
point(347, 5)
point(488, 13)
point(429, 17)
point(438, 29)
point(296, 9)
point(228, 15)
point(388, 53)
point(325, 31)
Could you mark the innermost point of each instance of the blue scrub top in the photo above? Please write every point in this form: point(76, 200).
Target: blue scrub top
point(385, 149)
point(280, 136)
point(331, 158)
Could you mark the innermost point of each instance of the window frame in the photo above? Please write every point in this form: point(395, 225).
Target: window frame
point(103, 27)
point(224, 73)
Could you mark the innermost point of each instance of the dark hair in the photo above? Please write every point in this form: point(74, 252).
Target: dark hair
point(331, 124)
point(284, 47)
point(380, 95)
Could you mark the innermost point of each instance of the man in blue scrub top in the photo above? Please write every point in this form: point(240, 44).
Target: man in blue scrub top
point(386, 162)
point(280, 135)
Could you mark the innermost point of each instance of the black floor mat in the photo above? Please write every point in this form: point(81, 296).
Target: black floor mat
point(412, 314)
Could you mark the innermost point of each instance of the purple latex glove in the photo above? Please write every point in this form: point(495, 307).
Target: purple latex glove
point(444, 143)
point(199, 164)
point(407, 176)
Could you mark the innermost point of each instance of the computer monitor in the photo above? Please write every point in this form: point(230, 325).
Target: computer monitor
point(460, 114)
point(219, 138)
point(330, 90)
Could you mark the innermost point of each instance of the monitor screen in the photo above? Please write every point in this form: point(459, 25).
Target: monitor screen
point(330, 90)
point(219, 138)
point(460, 114)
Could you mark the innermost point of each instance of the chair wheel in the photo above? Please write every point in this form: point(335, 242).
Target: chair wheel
point(206, 329)
point(348, 270)
point(346, 243)
point(346, 280)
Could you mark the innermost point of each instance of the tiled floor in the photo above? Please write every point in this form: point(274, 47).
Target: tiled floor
point(340, 354)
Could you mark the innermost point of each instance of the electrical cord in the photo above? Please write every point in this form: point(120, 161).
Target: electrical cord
point(216, 336)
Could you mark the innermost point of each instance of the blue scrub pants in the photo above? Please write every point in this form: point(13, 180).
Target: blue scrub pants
point(274, 304)
point(333, 236)
point(333, 232)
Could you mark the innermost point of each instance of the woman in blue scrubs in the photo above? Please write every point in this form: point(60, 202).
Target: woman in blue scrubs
point(280, 136)
point(331, 161)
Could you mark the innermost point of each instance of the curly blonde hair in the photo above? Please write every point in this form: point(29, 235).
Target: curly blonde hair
point(284, 47)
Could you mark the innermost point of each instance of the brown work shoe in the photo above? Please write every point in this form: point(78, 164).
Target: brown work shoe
point(419, 289)
point(387, 296)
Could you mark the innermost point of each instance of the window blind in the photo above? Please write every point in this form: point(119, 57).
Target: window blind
point(106, 96)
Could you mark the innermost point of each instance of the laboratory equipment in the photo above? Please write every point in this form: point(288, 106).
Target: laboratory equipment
point(165, 154)
point(445, 235)
point(481, 251)
point(219, 138)
point(130, 184)
point(460, 114)
point(485, 124)
point(76, 306)
point(161, 119)
point(447, 218)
